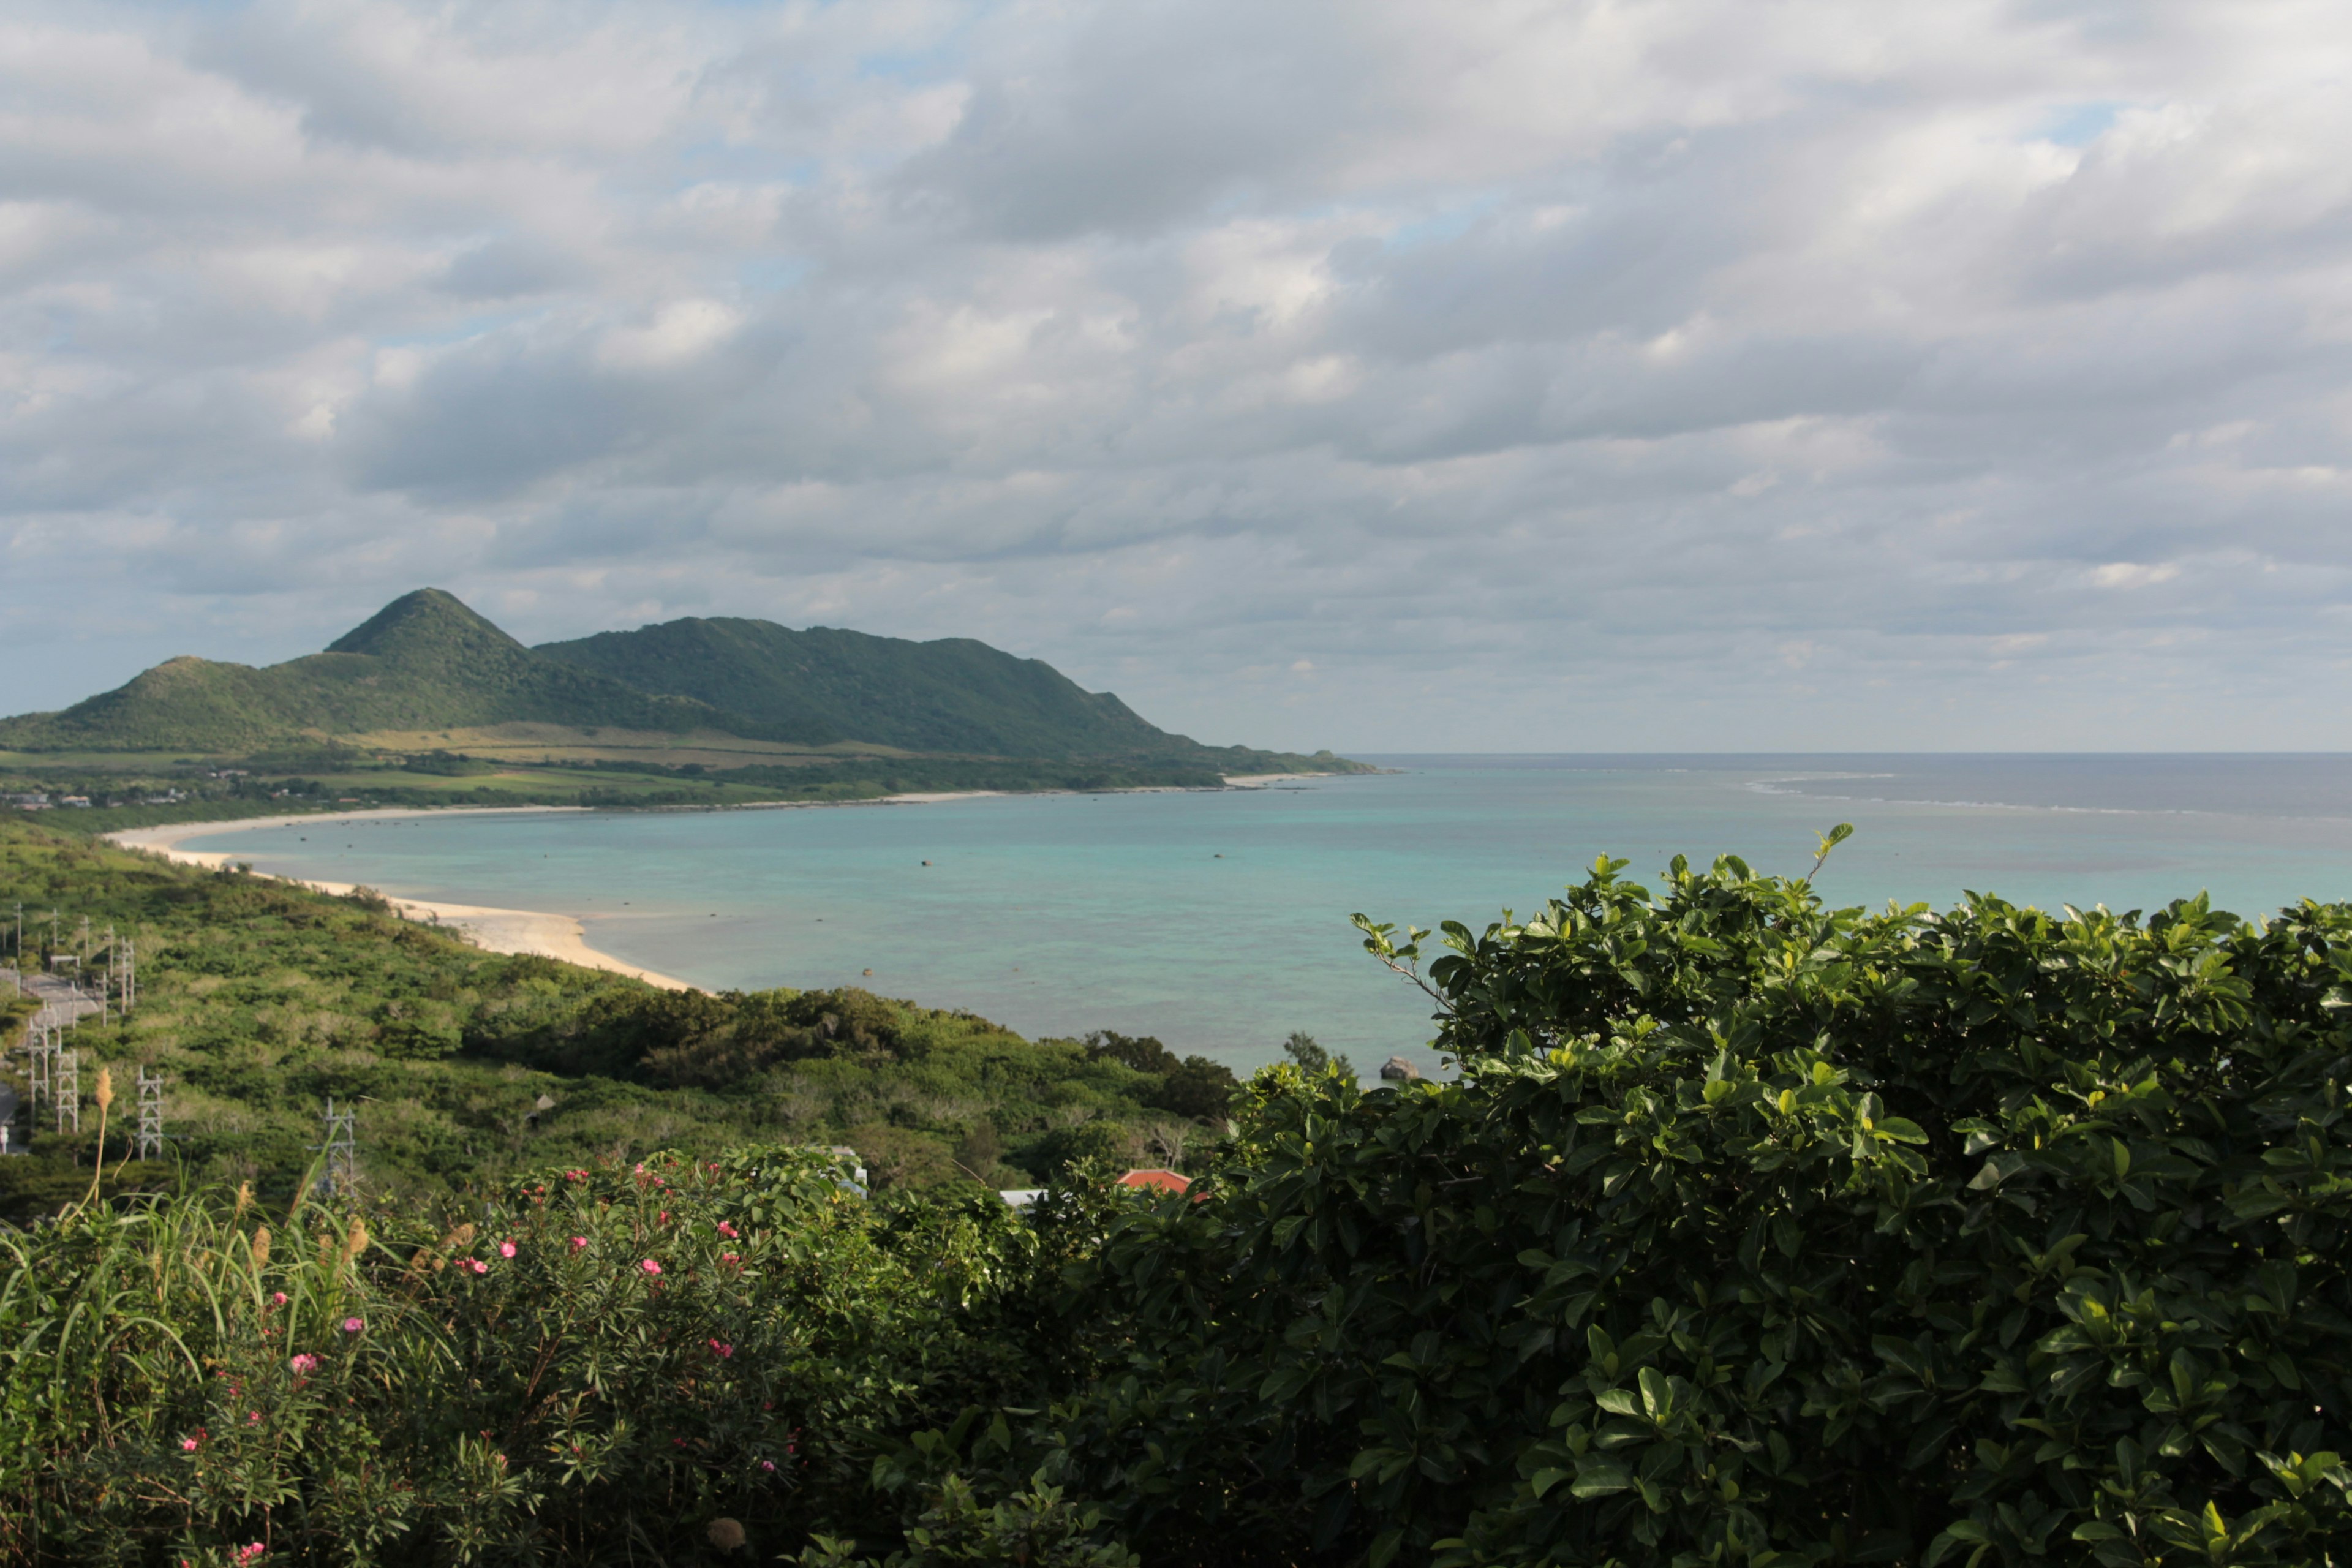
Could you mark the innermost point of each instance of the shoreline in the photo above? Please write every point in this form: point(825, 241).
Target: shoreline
point(548, 933)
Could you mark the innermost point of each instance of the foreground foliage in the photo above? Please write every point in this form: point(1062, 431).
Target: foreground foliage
point(603, 1363)
point(1753, 1232)
point(1759, 1232)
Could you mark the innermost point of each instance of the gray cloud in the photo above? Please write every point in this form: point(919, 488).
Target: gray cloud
point(1384, 374)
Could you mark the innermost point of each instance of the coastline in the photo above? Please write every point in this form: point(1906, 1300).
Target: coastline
point(549, 933)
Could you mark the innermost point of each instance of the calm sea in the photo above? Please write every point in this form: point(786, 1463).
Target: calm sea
point(1219, 921)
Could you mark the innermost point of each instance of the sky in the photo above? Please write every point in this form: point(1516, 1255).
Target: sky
point(1634, 374)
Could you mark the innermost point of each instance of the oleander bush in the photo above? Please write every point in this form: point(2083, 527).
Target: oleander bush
point(604, 1364)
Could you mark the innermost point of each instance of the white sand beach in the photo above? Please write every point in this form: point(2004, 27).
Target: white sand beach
point(558, 936)
point(550, 934)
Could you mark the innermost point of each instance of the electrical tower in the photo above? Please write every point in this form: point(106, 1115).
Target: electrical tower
point(67, 1068)
point(41, 1080)
point(341, 1169)
point(151, 1115)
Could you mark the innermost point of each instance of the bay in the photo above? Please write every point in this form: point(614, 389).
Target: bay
point(1218, 920)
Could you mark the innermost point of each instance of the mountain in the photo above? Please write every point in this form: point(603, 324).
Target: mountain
point(426, 664)
point(422, 662)
point(820, 686)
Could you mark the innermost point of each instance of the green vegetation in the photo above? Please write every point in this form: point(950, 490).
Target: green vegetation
point(824, 684)
point(1754, 1233)
point(431, 690)
point(424, 661)
point(259, 999)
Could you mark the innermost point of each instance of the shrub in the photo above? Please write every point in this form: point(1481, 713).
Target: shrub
point(615, 1356)
point(1759, 1232)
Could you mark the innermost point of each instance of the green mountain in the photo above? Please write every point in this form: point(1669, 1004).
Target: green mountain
point(822, 685)
point(422, 662)
point(425, 666)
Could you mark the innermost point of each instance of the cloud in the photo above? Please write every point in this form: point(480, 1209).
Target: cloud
point(1560, 376)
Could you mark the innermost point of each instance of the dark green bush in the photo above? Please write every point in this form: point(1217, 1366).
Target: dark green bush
point(1759, 1232)
point(1186, 1086)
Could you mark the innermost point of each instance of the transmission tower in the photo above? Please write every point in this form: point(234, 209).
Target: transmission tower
point(341, 1149)
point(41, 1081)
point(66, 1067)
point(151, 1115)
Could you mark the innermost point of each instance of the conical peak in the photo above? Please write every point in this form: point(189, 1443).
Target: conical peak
point(428, 624)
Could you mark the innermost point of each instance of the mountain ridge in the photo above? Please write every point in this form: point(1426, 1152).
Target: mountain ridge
point(428, 662)
point(826, 684)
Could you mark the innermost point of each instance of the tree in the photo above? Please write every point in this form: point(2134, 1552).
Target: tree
point(1311, 1058)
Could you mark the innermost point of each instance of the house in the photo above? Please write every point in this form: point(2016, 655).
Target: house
point(1150, 1181)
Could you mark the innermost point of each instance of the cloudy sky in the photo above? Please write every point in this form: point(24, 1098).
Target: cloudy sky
point(1425, 375)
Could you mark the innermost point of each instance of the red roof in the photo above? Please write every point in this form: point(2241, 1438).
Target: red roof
point(1166, 1181)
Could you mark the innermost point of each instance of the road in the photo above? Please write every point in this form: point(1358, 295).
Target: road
point(62, 1002)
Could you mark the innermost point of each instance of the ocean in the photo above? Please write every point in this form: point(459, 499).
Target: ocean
point(1218, 920)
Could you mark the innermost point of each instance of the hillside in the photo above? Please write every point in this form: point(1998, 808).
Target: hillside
point(824, 684)
point(424, 661)
point(258, 999)
point(427, 673)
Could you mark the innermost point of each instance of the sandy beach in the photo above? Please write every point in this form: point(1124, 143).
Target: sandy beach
point(551, 935)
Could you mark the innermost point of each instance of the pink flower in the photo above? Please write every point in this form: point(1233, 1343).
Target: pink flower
point(575, 1175)
point(578, 1242)
point(478, 1266)
point(277, 1298)
point(769, 1466)
point(729, 1258)
point(304, 1366)
point(506, 1250)
point(665, 1216)
point(727, 1230)
point(650, 1267)
point(190, 1445)
point(249, 1553)
point(353, 1325)
point(721, 1349)
point(253, 1417)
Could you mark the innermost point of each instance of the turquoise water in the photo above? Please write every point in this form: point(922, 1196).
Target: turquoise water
point(1218, 921)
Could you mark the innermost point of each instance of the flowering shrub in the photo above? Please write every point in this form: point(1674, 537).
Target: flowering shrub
point(182, 1377)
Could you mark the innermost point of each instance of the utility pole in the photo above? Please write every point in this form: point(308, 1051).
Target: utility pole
point(341, 1167)
point(151, 1115)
